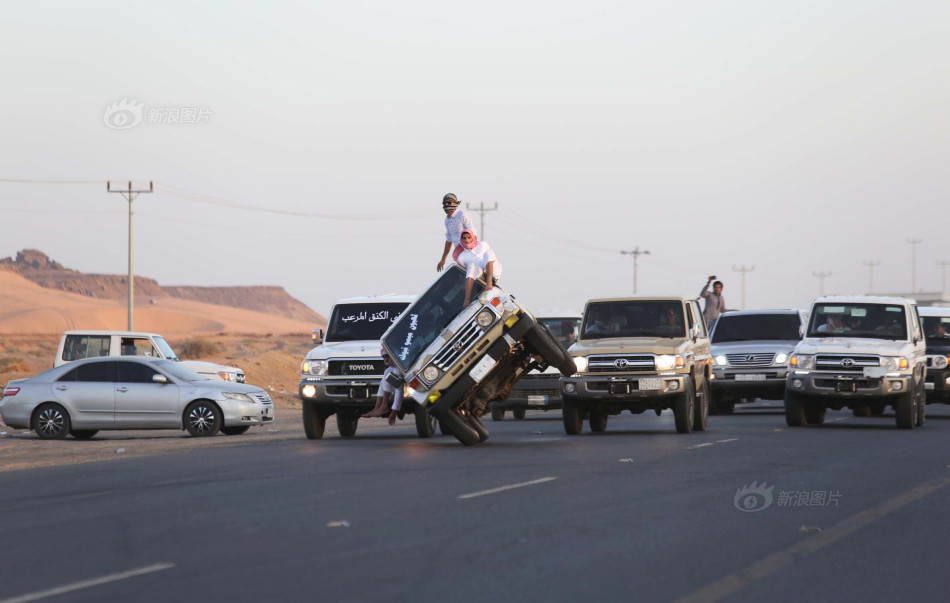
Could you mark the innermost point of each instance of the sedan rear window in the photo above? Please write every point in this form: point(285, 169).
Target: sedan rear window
point(92, 372)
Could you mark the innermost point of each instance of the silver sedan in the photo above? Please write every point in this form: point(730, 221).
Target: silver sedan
point(83, 397)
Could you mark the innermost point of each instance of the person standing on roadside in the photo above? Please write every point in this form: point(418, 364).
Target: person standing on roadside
point(715, 303)
point(456, 221)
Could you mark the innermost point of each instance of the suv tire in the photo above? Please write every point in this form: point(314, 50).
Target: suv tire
point(794, 409)
point(479, 428)
point(314, 423)
point(497, 414)
point(683, 408)
point(519, 413)
point(459, 428)
point(573, 418)
point(905, 410)
point(814, 414)
point(346, 421)
point(701, 410)
point(425, 423)
point(597, 418)
point(921, 404)
point(542, 341)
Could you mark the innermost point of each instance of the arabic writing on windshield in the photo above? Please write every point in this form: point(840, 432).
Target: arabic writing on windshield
point(356, 322)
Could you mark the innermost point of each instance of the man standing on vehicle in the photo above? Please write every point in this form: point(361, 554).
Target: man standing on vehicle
point(715, 303)
point(456, 221)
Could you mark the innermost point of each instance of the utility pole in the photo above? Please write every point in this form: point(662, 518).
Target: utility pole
point(482, 210)
point(636, 253)
point(129, 195)
point(914, 243)
point(871, 264)
point(821, 280)
point(944, 264)
point(743, 270)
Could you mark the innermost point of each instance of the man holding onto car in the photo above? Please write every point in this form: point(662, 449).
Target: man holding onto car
point(456, 221)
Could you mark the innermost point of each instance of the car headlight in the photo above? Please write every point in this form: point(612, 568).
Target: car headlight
point(581, 363)
point(939, 362)
point(309, 391)
point(314, 367)
point(891, 363)
point(803, 361)
point(667, 362)
point(780, 359)
point(721, 360)
point(485, 318)
point(430, 373)
point(237, 396)
point(225, 376)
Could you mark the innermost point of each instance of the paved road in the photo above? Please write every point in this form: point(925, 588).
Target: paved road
point(859, 511)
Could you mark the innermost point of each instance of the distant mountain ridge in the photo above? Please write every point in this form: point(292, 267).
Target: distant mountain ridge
point(36, 266)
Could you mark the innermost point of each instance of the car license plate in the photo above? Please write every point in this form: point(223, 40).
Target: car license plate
point(537, 399)
point(482, 368)
point(750, 377)
point(928, 386)
point(359, 393)
point(846, 386)
point(649, 383)
point(620, 388)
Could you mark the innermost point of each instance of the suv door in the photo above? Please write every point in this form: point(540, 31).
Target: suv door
point(142, 403)
point(88, 394)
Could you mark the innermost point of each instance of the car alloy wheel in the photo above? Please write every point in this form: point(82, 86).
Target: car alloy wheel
point(51, 423)
point(202, 419)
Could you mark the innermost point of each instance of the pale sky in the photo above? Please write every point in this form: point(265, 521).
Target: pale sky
point(795, 137)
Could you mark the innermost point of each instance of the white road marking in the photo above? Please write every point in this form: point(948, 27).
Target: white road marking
point(60, 590)
point(729, 440)
point(704, 444)
point(701, 445)
point(497, 490)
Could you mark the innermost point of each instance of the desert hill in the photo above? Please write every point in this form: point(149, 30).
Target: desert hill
point(38, 268)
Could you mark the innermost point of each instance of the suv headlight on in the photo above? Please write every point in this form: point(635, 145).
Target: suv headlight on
point(430, 373)
point(667, 362)
point(721, 360)
point(485, 318)
point(581, 363)
point(237, 396)
point(802, 361)
point(780, 359)
point(314, 367)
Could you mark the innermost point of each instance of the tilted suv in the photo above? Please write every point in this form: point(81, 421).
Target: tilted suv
point(859, 352)
point(538, 390)
point(751, 350)
point(936, 324)
point(456, 359)
point(341, 375)
point(639, 354)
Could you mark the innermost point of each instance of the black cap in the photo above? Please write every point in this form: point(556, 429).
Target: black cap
point(450, 199)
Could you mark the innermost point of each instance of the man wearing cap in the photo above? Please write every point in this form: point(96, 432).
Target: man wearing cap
point(456, 221)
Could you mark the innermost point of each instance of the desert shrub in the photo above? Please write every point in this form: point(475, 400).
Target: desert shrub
point(13, 364)
point(198, 348)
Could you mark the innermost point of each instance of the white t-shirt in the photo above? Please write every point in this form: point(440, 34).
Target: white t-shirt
point(475, 260)
point(455, 224)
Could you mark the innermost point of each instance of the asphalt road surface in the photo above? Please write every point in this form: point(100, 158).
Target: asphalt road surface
point(857, 511)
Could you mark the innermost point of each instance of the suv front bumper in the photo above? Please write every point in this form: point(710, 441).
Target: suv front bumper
point(339, 392)
point(534, 391)
point(836, 385)
point(938, 383)
point(750, 383)
point(622, 389)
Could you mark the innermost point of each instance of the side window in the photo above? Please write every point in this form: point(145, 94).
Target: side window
point(699, 319)
point(690, 321)
point(134, 346)
point(99, 372)
point(915, 323)
point(78, 347)
point(135, 372)
point(70, 376)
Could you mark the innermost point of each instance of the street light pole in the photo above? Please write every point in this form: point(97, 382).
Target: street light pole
point(743, 270)
point(636, 253)
point(821, 281)
point(914, 243)
point(943, 264)
point(871, 264)
point(130, 194)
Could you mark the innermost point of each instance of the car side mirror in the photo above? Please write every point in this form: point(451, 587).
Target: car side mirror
point(318, 336)
point(159, 379)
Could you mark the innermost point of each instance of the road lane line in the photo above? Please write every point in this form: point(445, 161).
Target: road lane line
point(729, 440)
point(60, 590)
point(496, 490)
point(733, 583)
point(700, 445)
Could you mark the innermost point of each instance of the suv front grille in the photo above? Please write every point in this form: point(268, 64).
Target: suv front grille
point(845, 363)
point(457, 346)
point(750, 360)
point(360, 367)
point(621, 363)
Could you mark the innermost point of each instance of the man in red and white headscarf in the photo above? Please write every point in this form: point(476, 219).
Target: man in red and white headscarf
point(456, 221)
point(477, 258)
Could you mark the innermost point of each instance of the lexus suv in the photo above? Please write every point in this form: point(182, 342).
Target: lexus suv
point(862, 353)
point(639, 354)
point(457, 358)
point(751, 350)
point(936, 323)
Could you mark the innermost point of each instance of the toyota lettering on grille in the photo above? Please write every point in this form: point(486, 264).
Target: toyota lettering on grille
point(847, 362)
point(620, 363)
point(361, 367)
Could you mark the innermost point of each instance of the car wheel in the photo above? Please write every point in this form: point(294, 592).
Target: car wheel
point(701, 412)
point(346, 421)
point(794, 409)
point(921, 404)
point(597, 418)
point(202, 418)
point(814, 414)
point(459, 428)
point(497, 414)
point(519, 413)
point(546, 345)
point(906, 410)
point(861, 411)
point(683, 408)
point(51, 422)
point(83, 434)
point(314, 423)
point(573, 419)
point(236, 430)
point(425, 423)
point(442, 428)
point(478, 427)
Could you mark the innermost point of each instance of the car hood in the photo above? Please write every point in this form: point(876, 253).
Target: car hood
point(841, 345)
point(217, 385)
point(629, 345)
point(209, 367)
point(349, 349)
point(753, 347)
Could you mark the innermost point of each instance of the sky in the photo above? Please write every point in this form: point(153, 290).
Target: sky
point(316, 140)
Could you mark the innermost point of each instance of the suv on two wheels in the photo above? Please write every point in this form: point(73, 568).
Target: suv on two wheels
point(936, 324)
point(456, 359)
point(859, 352)
point(639, 354)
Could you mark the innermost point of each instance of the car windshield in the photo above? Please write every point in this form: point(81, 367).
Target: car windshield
point(176, 370)
point(360, 322)
point(937, 329)
point(634, 319)
point(757, 327)
point(431, 313)
point(876, 321)
point(165, 349)
point(564, 329)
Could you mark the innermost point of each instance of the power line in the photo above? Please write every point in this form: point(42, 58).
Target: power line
point(130, 194)
point(871, 264)
point(821, 280)
point(482, 210)
point(636, 253)
point(744, 270)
